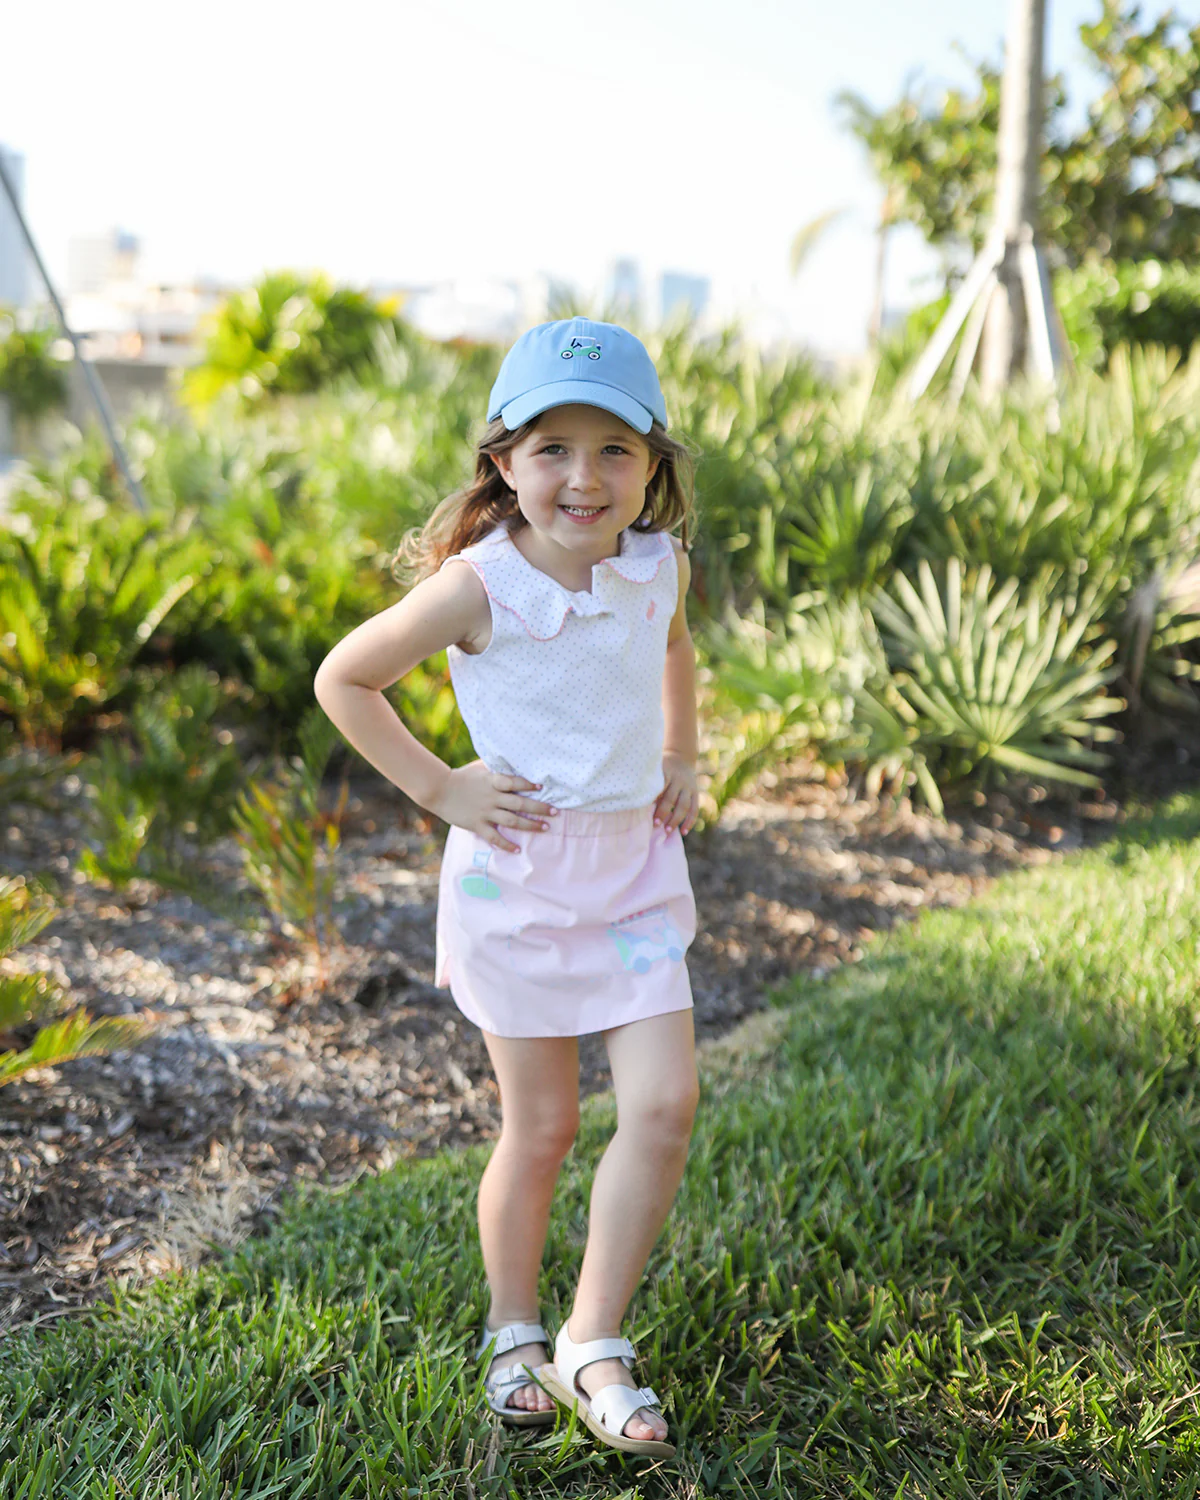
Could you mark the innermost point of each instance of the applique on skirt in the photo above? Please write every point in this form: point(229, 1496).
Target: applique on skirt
point(586, 927)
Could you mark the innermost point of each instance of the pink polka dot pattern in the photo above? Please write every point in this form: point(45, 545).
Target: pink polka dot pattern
point(568, 691)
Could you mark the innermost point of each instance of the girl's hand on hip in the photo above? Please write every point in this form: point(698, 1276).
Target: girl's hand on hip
point(484, 801)
point(678, 804)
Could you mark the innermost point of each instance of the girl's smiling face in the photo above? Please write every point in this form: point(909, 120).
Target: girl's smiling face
point(580, 477)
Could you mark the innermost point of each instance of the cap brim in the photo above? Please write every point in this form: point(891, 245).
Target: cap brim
point(572, 392)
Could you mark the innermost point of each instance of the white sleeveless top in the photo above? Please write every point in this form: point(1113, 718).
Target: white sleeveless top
point(568, 691)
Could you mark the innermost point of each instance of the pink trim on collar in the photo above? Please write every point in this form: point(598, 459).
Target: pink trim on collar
point(504, 604)
point(641, 562)
point(548, 602)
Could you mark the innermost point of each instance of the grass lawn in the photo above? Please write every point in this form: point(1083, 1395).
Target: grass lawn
point(938, 1236)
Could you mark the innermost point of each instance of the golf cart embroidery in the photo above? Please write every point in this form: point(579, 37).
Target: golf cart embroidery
point(477, 883)
point(644, 937)
point(582, 346)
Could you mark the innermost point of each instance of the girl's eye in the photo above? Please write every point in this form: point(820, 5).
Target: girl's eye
point(608, 448)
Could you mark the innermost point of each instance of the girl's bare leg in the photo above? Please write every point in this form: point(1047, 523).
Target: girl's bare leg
point(654, 1078)
point(539, 1100)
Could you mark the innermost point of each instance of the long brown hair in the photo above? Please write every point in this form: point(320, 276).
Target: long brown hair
point(467, 516)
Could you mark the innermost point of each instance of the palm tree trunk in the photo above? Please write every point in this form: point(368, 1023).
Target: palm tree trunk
point(1018, 180)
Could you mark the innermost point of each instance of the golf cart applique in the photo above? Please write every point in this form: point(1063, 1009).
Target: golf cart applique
point(478, 883)
point(645, 937)
point(582, 346)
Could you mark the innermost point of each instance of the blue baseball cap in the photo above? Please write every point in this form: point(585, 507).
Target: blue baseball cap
point(578, 360)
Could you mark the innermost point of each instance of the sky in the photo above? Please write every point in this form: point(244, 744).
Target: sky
point(417, 140)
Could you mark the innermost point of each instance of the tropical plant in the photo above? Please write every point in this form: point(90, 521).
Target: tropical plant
point(179, 779)
point(279, 591)
point(772, 693)
point(188, 760)
point(1109, 494)
point(845, 535)
point(295, 509)
point(746, 417)
point(289, 844)
point(31, 378)
point(1120, 185)
point(26, 775)
point(809, 236)
point(996, 680)
point(1158, 654)
point(121, 813)
point(1106, 303)
point(288, 334)
point(27, 1001)
point(81, 593)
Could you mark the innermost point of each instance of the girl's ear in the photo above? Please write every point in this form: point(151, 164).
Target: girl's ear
point(657, 459)
point(505, 468)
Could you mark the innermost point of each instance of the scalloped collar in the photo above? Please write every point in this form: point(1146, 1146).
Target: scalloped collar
point(548, 603)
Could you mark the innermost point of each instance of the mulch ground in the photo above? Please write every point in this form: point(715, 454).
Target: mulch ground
point(133, 1165)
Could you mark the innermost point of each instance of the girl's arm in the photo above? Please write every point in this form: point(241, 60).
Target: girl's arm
point(448, 608)
point(679, 801)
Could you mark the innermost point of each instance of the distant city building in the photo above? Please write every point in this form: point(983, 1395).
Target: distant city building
point(167, 321)
point(622, 292)
point(125, 319)
point(677, 290)
point(14, 255)
point(94, 261)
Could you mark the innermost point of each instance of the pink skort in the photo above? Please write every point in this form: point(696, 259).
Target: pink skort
point(585, 928)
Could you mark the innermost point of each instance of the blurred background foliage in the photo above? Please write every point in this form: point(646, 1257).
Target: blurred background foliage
point(32, 380)
point(290, 333)
point(927, 599)
point(273, 523)
point(1120, 189)
point(1119, 186)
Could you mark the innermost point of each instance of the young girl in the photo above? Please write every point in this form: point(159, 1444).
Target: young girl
point(558, 592)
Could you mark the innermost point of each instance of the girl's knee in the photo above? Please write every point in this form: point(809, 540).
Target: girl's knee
point(669, 1114)
point(545, 1138)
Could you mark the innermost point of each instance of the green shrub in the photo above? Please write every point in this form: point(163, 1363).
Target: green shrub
point(748, 419)
point(178, 780)
point(30, 377)
point(29, 1000)
point(289, 333)
point(918, 687)
point(81, 593)
point(845, 535)
point(1105, 303)
point(989, 679)
point(1102, 303)
point(289, 843)
point(805, 487)
point(769, 694)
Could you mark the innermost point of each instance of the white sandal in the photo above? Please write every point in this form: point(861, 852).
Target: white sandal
point(500, 1384)
point(607, 1412)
